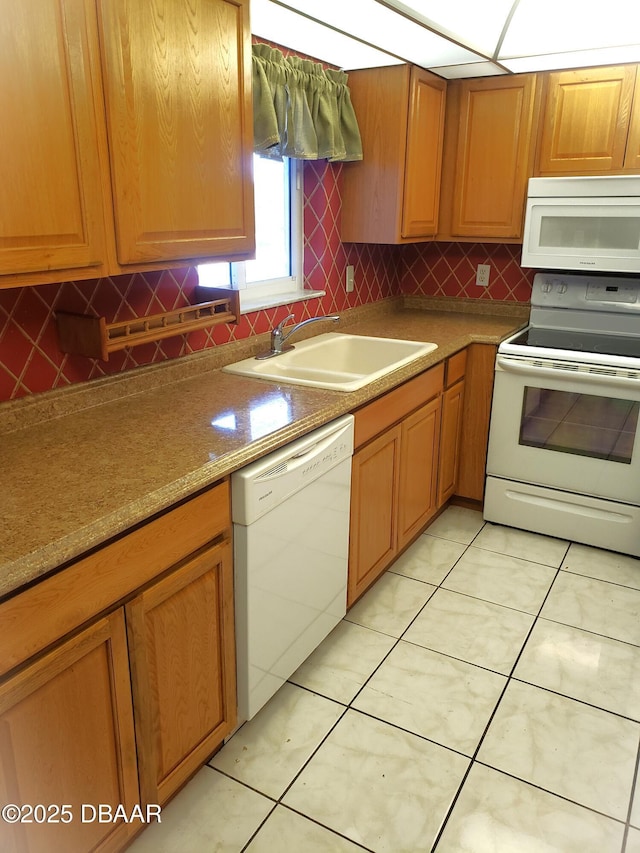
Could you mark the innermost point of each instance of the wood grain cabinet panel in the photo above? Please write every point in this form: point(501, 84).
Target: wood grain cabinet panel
point(488, 157)
point(418, 471)
point(51, 193)
point(180, 136)
point(632, 153)
point(66, 737)
point(394, 475)
point(181, 644)
point(127, 137)
point(392, 195)
point(451, 429)
point(585, 121)
point(476, 414)
point(374, 494)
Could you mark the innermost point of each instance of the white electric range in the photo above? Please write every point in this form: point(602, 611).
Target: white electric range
point(564, 450)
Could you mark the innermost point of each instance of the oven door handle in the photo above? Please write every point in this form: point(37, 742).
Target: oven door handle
point(511, 365)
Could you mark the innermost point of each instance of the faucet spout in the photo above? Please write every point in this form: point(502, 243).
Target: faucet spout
point(278, 336)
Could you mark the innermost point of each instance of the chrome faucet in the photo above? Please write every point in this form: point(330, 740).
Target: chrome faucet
point(278, 337)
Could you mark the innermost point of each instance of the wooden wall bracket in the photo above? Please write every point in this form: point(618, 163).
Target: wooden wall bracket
point(81, 334)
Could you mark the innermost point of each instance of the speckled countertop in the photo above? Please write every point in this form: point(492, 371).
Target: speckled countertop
point(82, 465)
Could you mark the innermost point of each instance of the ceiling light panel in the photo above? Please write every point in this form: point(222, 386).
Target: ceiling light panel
point(473, 69)
point(575, 27)
point(383, 28)
point(478, 25)
point(282, 26)
point(577, 59)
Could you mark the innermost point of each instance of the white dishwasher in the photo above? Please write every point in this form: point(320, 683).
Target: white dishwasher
point(291, 541)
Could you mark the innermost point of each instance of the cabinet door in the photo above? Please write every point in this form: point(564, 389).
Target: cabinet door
point(372, 187)
point(181, 645)
point(418, 470)
point(632, 154)
point(178, 99)
point(585, 120)
point(51, 198)
point(373, 529)
point(493, 156)
point(476, 414)
point(450, 442)
point(66, 737)
point(424, 155)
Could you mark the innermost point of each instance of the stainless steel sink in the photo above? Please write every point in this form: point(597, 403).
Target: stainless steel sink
point(336, 361)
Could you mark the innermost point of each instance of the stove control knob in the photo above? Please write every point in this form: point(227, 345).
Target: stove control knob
point(546, 287)
point(562, 287)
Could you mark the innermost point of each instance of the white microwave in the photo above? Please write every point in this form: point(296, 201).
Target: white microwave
point(583, 223)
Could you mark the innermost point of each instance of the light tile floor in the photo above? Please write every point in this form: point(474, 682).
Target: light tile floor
point(483, 696)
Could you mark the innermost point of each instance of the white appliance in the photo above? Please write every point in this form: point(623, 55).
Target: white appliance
point(564, 449)
point(583, 223)
point(291, 543)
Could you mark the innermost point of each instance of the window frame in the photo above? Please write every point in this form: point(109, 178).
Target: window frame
point(283, 290)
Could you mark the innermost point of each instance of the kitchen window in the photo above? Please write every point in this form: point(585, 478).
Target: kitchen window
point(275, 277)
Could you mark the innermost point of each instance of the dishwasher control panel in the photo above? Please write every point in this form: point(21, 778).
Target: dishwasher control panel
point(264, 484)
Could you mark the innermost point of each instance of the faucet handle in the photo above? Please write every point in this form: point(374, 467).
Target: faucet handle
point(280, 325)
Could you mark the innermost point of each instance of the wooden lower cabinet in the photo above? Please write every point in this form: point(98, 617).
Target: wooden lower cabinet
point(374, 496)
point(183, 669)
point(118, 678)
point(476, 414)
point(393, 481)
point(418, 470)
point(66, 738)
point(451, 428)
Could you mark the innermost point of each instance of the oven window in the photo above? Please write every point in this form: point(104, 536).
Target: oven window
point(584, 424)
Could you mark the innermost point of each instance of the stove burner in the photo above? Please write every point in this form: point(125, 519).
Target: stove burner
point(579, 342)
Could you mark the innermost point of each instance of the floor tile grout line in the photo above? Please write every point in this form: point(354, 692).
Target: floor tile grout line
point(575, 699)
point(548, 791)
point(634, 793)
point(490, 720)
point(601, 580)
point(509, 678)
point(588, 631)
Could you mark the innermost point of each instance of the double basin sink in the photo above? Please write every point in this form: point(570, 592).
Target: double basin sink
point(336, 361)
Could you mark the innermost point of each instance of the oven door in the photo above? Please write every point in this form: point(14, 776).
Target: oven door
point(573, 428)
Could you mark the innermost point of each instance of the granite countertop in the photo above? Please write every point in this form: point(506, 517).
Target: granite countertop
point(82, 465)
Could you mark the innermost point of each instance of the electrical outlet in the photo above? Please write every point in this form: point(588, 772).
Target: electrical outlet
point(348, 279)
point(482, 275)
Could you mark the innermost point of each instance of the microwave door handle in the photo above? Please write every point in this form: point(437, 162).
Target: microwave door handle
point(510, 365)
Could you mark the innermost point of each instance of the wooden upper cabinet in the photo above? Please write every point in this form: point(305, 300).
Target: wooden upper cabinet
point(585, 121)
point(632, 154)
point(392, 195)
point(164, 177)
point(51, 196)
point(424, 155)
point(488, 157)
point(178, 100)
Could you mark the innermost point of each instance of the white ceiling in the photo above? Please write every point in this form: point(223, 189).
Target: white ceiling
point(455, 38)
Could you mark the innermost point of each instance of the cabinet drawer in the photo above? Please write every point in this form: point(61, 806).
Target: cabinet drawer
point(95, 583)
point(387, 410)
point(456, 366)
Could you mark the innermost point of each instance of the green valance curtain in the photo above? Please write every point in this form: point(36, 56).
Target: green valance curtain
point(301, 110)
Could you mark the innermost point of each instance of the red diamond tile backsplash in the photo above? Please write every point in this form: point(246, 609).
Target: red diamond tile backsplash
point(449, 269)
point(31, 362)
